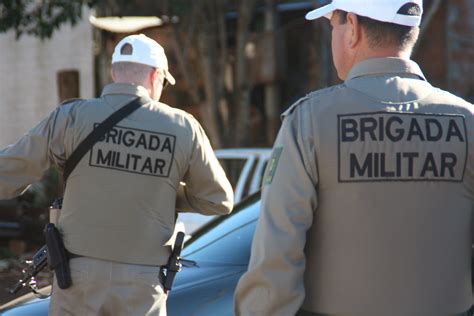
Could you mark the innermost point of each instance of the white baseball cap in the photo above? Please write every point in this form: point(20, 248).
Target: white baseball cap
point(391, 11)
point(145, 51)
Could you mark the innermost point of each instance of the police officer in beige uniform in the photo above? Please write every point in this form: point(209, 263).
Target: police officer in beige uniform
point(367, 200)
point(120, 200)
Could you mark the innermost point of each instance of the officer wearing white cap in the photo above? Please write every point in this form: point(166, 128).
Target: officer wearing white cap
point(121, 199)
point(367, 199)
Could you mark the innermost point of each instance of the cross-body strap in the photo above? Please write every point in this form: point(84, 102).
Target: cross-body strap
point(98, 132)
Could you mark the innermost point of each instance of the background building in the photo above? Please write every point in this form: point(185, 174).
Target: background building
point(29, 69)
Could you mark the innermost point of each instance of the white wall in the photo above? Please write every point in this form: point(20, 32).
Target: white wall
point(28, 67)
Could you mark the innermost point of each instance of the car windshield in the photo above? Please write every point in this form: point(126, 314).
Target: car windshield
point(227, 239)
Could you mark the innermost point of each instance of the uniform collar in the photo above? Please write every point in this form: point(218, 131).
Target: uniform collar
point(384, 66)
point(125, 88)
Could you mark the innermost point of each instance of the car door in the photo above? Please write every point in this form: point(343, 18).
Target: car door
point(214, 260)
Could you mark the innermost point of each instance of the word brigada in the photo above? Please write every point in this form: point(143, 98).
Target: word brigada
point(401, 146)
point(139, 139)
point(136, 151)
point(396, 129)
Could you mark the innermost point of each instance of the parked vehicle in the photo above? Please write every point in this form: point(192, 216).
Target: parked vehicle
point(214, 259)
point(244, 168)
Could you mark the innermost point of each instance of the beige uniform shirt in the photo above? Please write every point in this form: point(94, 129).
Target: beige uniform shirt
point(120, 200)
point(367, 200)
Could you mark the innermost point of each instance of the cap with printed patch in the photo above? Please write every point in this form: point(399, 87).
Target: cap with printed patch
point(144, 50)
point(402, 12)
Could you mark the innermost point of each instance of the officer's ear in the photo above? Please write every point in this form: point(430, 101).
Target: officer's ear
point(154, 76)
point(355, 30)
point(112, 73)
point(155, 84)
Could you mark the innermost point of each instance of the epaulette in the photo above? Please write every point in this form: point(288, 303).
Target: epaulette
point(293, 106)
point(315, 95)
point(70, 101)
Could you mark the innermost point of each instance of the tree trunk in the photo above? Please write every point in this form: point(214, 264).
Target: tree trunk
point(460, 50)
point(271, 88)
point(209, 109)
point(181, 48)
point(242, 84)
point(207, 53)
point(325, 56)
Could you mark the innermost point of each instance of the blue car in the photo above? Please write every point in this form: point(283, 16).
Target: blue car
point(214, 259)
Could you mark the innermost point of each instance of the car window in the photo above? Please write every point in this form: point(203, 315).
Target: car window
point(262, 173)
point(233, 168)
point(226, 240)
point(247, 188)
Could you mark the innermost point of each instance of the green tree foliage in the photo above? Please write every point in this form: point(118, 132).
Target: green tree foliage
point(40, 18)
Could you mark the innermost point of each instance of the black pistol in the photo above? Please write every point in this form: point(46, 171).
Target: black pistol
point(37, 263)
point(57, 256)
point(174, 265)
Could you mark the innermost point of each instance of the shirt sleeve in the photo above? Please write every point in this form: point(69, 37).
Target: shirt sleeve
point(28, 159)
point(273, 284)
point(469, 173)
point(206, 189)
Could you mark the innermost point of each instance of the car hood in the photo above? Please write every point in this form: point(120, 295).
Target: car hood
point(27, 304)
point(204, 272)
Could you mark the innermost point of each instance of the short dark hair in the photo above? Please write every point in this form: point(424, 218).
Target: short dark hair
point(126, 49)
point(386, 34)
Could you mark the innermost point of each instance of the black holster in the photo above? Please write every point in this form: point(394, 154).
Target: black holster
point(57, 256)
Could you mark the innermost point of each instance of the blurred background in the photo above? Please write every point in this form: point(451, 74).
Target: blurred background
point(238, 65)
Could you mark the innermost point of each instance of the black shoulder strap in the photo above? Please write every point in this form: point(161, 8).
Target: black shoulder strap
point(98, 132)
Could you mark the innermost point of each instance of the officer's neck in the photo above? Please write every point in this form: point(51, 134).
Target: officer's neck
point(364, 52)
point(386, 53)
